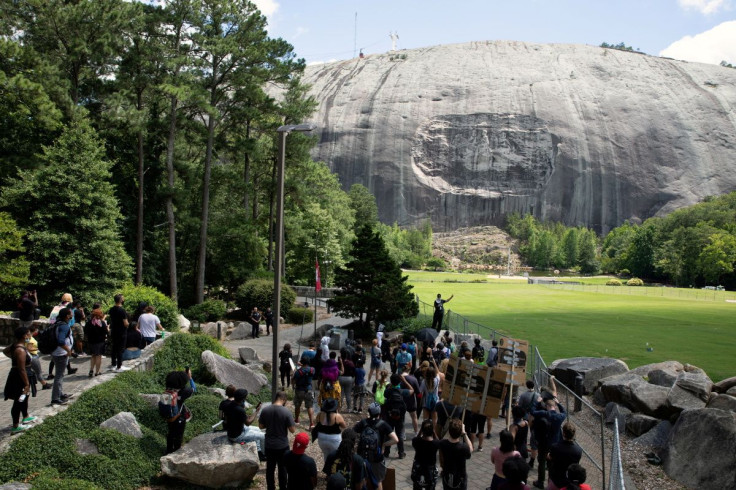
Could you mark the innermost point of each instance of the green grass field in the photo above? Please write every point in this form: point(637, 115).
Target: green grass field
point(579, 321)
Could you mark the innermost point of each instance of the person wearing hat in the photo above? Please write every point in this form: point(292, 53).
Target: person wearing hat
point(329, 426)
point(402, 358)
point(300, 468)
point(238, 423)
point(375, 432)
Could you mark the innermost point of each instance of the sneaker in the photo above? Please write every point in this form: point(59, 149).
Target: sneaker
point(58, 402)
point(488, 435)
point(91, 373)
point(122, 368)
point(66, 397)
point(47, 386)
point(19, 429)
point(29, 419)
point(402, 455)
point(72, 370)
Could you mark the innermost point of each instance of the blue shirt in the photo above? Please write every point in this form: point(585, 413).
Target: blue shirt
point(63, 337)
point(359, 376)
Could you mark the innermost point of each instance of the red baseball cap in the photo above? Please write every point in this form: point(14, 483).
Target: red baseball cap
point(301, 441)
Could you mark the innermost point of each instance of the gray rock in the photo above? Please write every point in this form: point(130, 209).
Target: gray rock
point(229, 372)
point(657, 437)
point(672, 367)
point(240, 332)
point(184, 324)
point(15, 485)
point(701, 447)
point(723, 401)
point(210, 329)
point(724, 385)
point(466, 150)
point(248, 354)
point(618, 388)
point(731, 391)
point(85, 447)
point(650, 399)
point(697, 383)
point(125, 423)
point(638, 424)
point(210, 460)
point(614, 411)
point(151, 399)
point(679, 399)
point(592, 369)
point(217, 391)
point(663, 378)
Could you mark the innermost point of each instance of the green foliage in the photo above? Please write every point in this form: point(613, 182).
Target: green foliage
point(409, 326)
point(634, 281)
point(210, 310)
point(436, 264)
point(299, 315)
point(410, 248)
point(184, 350)
point(620, 46)
point(14, 268)
point(364, 205)
point(259, 293)
point(166, 309)
point(49, 479)
point(613, 282)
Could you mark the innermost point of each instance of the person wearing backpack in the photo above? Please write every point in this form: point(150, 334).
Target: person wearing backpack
point(178, 382)
point(454, 452)
point(346, 463)
point(302, 379)
point(375, 436)
point(479, 352)
point(66, 302)
point(394, 409)
point(424, 472)
point(60, 355)
point(528, 402)
point(403, 358)
point(492, 359)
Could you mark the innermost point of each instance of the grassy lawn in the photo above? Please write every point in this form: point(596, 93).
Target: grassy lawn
point(571, 322)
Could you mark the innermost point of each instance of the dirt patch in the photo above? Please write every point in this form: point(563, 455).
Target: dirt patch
point(478, 248)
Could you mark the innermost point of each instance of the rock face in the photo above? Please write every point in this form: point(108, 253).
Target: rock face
point(724, 402)
point(657, 437)
point(638, 424)
point(690, 391)
point(465, 134)
point(125, 423)
point(210, 460)
point(228, 372)
point(701, 447)
point(725, 385)
point(592, 369)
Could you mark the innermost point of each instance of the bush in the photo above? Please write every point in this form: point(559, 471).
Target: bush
point(299, 315)
point(166, 309)
point(209, 310)
point(634, 281)
point(624, 273)
point(259, 292)
point(613, 282)
point(409, 326)
point(185, 350)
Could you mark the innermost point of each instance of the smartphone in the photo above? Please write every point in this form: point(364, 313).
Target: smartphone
point(22, 398)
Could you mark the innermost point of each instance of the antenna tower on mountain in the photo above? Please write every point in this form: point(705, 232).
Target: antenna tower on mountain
point(394, 37)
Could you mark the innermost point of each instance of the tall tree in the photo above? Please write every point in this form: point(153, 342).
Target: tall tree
point(14, 267)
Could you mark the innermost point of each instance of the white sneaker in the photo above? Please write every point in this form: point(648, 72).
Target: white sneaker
point(123, 368)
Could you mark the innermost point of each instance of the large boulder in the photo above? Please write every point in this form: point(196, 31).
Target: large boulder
point(229, 372)
point(638, 424)
point(210, 329)
point(242, 331)
point(592, 369)
point(723, 402)
point(724, 385)
point(151, 399)
point(690, 391)
point(669, 368)
point(85, 447)
point(657, 437)
point(650, 399)
point(210, 460)
point(731, 391)
point(701, 447)
point(618, 388)
point(125, 423)
point(616, 412)
point(248, 354)
point(184, 323)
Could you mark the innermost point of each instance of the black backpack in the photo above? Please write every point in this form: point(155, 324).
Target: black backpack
point(359, 357)
point(369, 444)
point(395, 405)
point(542, 428)
point(48, 340)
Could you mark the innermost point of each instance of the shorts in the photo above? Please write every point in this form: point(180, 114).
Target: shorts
point(430, 402)
point(375, 364)
point(376, 471)
point(479, 424)
point(303, 396)
point(78, 332)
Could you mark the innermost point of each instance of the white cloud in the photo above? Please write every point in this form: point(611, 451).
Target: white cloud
point(712, 46)
point(300, 31)
point(705, 7)
point(267, 7)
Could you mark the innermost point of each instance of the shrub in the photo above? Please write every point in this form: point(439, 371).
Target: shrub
point(613, 282)
point(209, 310)
point(624, 273)
point(634, 281)
point(299, 315)
point(166, 309)
point(185, 350)
point(259, 292)
point(409, 326)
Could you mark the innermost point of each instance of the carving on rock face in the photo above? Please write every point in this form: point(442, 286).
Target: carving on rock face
point(488, 155)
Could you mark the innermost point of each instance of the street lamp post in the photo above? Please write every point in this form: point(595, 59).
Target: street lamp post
point(278, 266)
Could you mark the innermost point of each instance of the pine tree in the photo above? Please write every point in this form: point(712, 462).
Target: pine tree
point(371, 285)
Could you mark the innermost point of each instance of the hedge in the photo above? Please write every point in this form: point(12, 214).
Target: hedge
point(166, 309)
point(298, 315)
point(209, 310)
point(259, 292)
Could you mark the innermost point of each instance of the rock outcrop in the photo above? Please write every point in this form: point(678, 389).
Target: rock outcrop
point(210, 460)
point(229, 372)
point(465, 134)
point(592, 369)
point(125, 423)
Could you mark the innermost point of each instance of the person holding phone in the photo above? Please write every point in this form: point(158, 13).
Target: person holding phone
point(239, 424)
point(18, 385)
point(181, 382)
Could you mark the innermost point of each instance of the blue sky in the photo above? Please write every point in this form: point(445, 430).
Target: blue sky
point(323, 30)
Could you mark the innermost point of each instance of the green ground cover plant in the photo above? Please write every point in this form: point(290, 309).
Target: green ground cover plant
point(578, 321)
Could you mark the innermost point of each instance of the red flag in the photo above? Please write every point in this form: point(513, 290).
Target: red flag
point(318, 283)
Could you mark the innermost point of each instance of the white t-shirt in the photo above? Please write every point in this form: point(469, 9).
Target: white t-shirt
point(147, 323)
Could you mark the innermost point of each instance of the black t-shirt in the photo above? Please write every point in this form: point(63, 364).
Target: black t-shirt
point(95, 333)
point(117, 315)
point(380, 426)
point(454, 455)
point(411, 400)
point(276, 419)
point(133, 338)
point(439, 306)
point(562, 455)
point(300, 468)
point(235, 416)
point(356, 471)
point(426, 451)
point(78, 315)
point(27, 308)
point(284, 357)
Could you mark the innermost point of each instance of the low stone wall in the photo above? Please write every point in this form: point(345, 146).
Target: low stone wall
point(8, 326)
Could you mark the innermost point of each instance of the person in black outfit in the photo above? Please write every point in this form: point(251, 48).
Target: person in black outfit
point(20, 379)
point(454, 452)
point(439, 311)
point(118, 332)
point(300, 468)
point(424, 470)
point(562, 455)
point(285, 366)
point(255, 320)
point(268, 316)
point(178, 380)
point(27, 308)
point(394, 415)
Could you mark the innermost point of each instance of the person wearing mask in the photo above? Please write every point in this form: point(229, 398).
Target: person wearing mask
point(499, 455)
point(285, 360)
point(345, 463)
point(302, 380)
point(454, 452)
point(301, 470)
point(424, 472)
point(347, 380)
point(239, 425)
point(561, 455)
point(148, 325)
point(20, 377)
point(330, 425)
point(277, 420)
point(60, 355)
point(375, 437)
point(119, 324)
point(96, 332)
point(179, 381)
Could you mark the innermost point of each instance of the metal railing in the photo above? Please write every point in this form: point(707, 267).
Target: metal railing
point(458, 323)
point(659, 292)
point(616, 473)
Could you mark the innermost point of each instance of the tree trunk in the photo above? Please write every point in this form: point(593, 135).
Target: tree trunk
point(246, 171)
point(141, 177)
point(199, 288)
point(173, 289)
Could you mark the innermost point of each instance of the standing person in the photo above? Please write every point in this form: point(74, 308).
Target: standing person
point(528, 402)
point(324, 348)
point(32, 347)
point(546, 423)
point(78, 328)
point(379, 388)
point(66, 302)
point(118, 332)
point(576, 476)
point(499, 455)
point(386, 356)
point(474, 424)
point(411, 348)
point(285, 357)
point(375, 361)
point(96, 332)
point(379, 333)
point(520, 430)
point(310, 353)
point(411, 401)
point(239, 424)
point(375, 436)
point(255, 321)
point(27, 308)
point(20, 376)
point(424, 472)
point(149, 324)
point(331, 371)
point(561, 456)
point(60, 355)
point(178, 381)
point(403, 358)
point(394, 410)
point(301, 470)
point(492, 360)
point(454, 452)
point(133, 343)
point(429, 388)
point(329, 426)
point(277, 420)
point(517, 472)
point(478, 352)
point(347, 380)
point(302, 379)
point(439, 311)
point(346, 463)
point(359, 387)
point(268, 316)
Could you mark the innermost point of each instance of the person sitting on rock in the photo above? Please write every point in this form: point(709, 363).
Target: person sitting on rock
point(238, 423)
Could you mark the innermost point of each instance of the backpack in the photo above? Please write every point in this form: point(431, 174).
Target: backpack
point(380, 394)
point(301, 378)
point(395, 404)
point(168, 405)
point(48, 340)
point(359, 357)
point(480, 353)
point(369, 444)
point(493, 357)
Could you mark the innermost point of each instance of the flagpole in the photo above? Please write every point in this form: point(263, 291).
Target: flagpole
point(316, 286)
